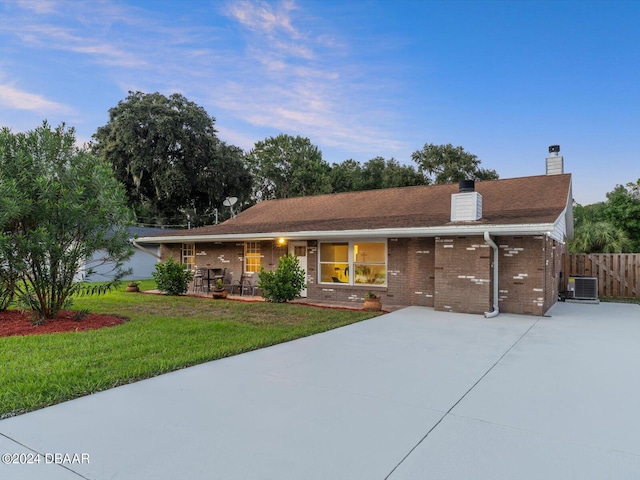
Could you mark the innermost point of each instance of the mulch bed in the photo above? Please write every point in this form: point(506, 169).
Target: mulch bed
point(12, 322)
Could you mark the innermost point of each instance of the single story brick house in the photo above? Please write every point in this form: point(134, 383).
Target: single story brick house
point(494, 245)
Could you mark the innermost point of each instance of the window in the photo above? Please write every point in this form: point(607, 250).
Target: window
point(353, 263)
point(334, 262)
point(370, 263)
point(252, 257)
point(188, 255)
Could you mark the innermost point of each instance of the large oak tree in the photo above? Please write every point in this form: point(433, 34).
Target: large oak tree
point(166, 153)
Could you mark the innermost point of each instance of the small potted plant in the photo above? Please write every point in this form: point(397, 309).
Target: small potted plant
point(372, 302)
point(132, 287)
point(219, 290)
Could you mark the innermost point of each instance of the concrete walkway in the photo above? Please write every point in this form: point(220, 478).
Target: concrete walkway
point(300, 301)
point(409, 395)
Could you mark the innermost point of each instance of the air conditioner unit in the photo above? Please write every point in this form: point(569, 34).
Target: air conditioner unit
point(583, 288)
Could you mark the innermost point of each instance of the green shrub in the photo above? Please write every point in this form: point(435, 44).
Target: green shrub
point(59, 205)
point(171, 277)
point(285, 283)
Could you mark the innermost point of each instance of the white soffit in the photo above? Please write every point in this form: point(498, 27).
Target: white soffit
point(520, 229)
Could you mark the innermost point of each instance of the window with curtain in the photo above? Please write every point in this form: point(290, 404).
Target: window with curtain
point(353, 263)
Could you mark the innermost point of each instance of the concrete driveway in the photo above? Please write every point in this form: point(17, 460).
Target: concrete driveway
point(413, 394)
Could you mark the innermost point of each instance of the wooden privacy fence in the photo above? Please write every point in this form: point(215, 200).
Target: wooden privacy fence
point(618, 274)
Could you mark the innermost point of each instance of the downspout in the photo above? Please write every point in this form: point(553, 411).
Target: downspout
point(544, 278)
point(493, 245)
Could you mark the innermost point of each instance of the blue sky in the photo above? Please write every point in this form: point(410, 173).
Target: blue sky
point(360, 79)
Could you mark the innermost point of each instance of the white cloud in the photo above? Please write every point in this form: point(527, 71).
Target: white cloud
point(263, 17)
point(299, 83)
point(63, 38)
point(38, 6)
point(11, 97)
point(287, 73)
point(233, 137)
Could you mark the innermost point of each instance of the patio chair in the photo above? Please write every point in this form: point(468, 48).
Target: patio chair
point(232, 285)
point(198, 281)
point(248, 285)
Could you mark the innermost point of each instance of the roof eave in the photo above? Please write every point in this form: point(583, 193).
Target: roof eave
point(445, 230)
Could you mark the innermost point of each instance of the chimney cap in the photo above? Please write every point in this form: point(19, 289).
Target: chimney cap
point(554, 148)
point(466, 186)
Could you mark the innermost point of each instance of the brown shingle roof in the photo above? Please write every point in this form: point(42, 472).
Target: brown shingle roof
point(525, 200)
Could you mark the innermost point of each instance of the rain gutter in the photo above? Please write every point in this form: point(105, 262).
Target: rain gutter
point(144, 249)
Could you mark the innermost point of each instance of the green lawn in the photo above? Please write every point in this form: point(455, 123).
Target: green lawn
point(163, 334)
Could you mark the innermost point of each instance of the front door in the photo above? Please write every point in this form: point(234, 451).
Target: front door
point(299, 249)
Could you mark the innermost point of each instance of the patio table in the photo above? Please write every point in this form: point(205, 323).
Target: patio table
point(213, 273)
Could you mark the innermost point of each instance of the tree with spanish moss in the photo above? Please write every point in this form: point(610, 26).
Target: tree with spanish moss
point(166, 153)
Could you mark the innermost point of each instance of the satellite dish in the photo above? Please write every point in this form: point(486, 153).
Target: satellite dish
point(230, 201)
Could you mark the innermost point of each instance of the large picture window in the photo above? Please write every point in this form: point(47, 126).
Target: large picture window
point(353, 263)
point(252, 257)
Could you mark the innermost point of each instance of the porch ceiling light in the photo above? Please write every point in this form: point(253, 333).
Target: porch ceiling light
point(282, 241)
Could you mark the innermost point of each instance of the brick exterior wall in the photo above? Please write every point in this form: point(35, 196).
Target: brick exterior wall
point(529, 274)
point(421, 267)
point(410, 277)
point(312, 266)
point(462, 274)
point(331, 292)
point(447, 273)
point(229, 255)
point(553, 263)
point(521, 277)
point(170, 250)
point(213, 255)
point(398, 272)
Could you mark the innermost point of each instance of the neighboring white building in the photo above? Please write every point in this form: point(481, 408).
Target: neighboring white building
point(142, 263)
